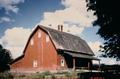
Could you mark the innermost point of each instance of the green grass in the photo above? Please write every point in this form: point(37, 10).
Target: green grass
point(38, 75)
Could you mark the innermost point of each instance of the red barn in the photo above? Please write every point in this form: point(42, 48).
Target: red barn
point(49, 49)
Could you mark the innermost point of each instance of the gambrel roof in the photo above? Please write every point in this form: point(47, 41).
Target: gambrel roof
point(68, 42)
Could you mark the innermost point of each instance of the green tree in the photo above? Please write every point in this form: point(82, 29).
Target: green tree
point(108, 15)
point(5, 59)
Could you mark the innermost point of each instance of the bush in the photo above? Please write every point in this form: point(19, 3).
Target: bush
point(6, 75)
point(41, 75)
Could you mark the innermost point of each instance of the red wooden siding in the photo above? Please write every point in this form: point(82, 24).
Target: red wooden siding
point(60, 57)
point(41, 51)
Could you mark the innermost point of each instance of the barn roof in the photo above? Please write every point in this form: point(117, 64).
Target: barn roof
point(79, 55)
point(64, 41)
point(69, 42)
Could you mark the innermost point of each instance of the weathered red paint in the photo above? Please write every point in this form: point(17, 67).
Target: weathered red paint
point(41, 51)
point(40, 54)
point(59, 58)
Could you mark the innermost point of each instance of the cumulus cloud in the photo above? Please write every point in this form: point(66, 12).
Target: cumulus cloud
point(74, 17)
point(10, 5)
point(6, 19)
point(109, 61)
point(15, 40)
point(95, 46)
point(0, 41)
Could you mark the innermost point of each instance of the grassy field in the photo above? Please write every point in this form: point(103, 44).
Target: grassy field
point(61, 75)
point(43, 75)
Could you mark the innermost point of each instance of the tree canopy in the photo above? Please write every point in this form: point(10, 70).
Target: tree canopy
point(5, 59)
point(108, 15)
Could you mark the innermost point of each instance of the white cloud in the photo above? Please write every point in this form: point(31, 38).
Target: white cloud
point(15, 40)
point(109, 61)
point(0, 41)
point(6, 19)
point(74, 17)
point(10, 5)
point(95, 46)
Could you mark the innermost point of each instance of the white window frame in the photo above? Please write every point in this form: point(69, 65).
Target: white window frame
point(39, 34)
point(35, 63)
point(32, 41)
point(62, 62)
point(47, 38)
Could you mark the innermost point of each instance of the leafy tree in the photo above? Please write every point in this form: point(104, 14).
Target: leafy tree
point(108, 15)
point(5, 59)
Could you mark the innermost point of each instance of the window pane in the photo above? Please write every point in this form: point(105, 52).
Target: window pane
point(62, 62)
point(35, 63)
point(32, 41)
point(47, 38)
point(39, 34)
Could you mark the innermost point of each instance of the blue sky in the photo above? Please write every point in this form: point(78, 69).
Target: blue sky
point(29, 14)
point(21, 16)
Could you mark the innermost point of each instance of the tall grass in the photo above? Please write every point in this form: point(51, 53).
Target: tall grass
point(38, 75)
point(6, 75)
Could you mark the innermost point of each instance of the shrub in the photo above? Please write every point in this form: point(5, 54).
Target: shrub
point(6, 75)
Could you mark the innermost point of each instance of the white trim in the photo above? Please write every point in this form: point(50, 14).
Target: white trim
point(62, 62)
point(47, 38)
point(39, 34)
point(32, 41)
point(35, 64)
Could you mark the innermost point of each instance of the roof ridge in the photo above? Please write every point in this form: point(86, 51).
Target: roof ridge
point(61, 31)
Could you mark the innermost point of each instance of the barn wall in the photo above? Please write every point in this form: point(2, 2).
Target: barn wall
point(41, 50)
point(60, 58)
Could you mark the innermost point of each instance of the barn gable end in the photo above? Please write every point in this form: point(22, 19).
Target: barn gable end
point(39, 53)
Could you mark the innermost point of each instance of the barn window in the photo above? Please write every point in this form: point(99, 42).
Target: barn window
point(62, 62)
point(35, 63)
point(47, 38)
point(32, 41)
point(39, 34)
